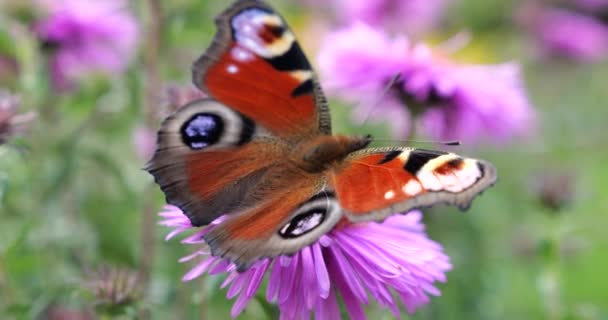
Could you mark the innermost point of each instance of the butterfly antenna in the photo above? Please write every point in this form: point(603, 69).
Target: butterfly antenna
point(381, 96)
point(444, 143)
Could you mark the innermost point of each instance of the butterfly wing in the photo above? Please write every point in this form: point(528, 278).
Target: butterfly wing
point(208, 156)
point(375, 183)
point(266, 98)
point(228, 155)
point(256, 66)
point(297, 213)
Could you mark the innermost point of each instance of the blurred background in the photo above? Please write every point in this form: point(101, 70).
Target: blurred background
point(85, 84)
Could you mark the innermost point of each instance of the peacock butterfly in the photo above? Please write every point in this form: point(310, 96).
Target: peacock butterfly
point(261, 152)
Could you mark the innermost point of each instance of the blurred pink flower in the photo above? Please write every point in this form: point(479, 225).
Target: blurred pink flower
point(448, 100)
point(572, 35)
point(12, 123)
point(178, 96)
point(391, 262)
point(592, 5)
point(9, 69)
point(144, 142)
point(174, 97)
point(87, 36)
point(411, 16)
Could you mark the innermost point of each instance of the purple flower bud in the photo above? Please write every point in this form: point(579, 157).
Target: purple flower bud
point(555, 190)
point(114, 286)
point(12, 123)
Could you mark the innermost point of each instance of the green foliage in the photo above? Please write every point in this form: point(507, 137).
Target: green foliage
point(73, 195)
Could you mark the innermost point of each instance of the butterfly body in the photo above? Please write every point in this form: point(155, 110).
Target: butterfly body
point(323, 152)
point(260, 151)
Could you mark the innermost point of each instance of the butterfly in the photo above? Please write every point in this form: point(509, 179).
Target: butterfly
point(260, 151)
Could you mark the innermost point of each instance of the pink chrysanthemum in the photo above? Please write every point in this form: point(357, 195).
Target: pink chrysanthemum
point(389, 262)
point(144, 142)
point(412, 16)
point(592, 5)
point(87, 36)
point(449, 100)
point(175, 97)
point(572, 35)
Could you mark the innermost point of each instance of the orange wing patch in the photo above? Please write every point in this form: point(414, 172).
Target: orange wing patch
point(261, 92)
point(211, 171)
point(367, 184)
point(376, 183)
point(263, 221)
point(257, 67)
point(296, 211)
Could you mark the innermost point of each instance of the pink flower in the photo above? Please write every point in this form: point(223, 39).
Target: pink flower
point(178, 96)
point(592, 5)
point(448, 100)
point(9, 69)
point(391, 262)
point(572, 35)
point(86, 37)
point(174, 97)
point(144, 142)
point(411, 16)
point(12, 123)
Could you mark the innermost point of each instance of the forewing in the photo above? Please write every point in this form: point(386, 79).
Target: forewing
point(256, 66)
point(375, 183)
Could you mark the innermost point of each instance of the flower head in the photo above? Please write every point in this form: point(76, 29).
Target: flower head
point(9, 69)
point(573, 35)
point(555, 189)
point(144, 142)
point(449, 100)
point(87, 36)
point(12, 123)
point(592, 5)
point(114, 286)
point(178, 96)
point(566, 33)
point(62, 312)
point(391, 262)
point(174, 97)
point(412, 16)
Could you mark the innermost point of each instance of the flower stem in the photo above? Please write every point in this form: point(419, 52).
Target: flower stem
point(549, 280)
point(153, 86)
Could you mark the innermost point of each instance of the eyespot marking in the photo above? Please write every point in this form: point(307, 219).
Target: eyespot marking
point(261, 32)
point(202, 130)
point(303, 223)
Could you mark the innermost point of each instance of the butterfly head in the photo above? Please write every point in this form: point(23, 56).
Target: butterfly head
point(318, 154)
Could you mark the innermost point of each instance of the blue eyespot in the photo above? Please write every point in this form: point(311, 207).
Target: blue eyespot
point(303, 223)
point(202, 130)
